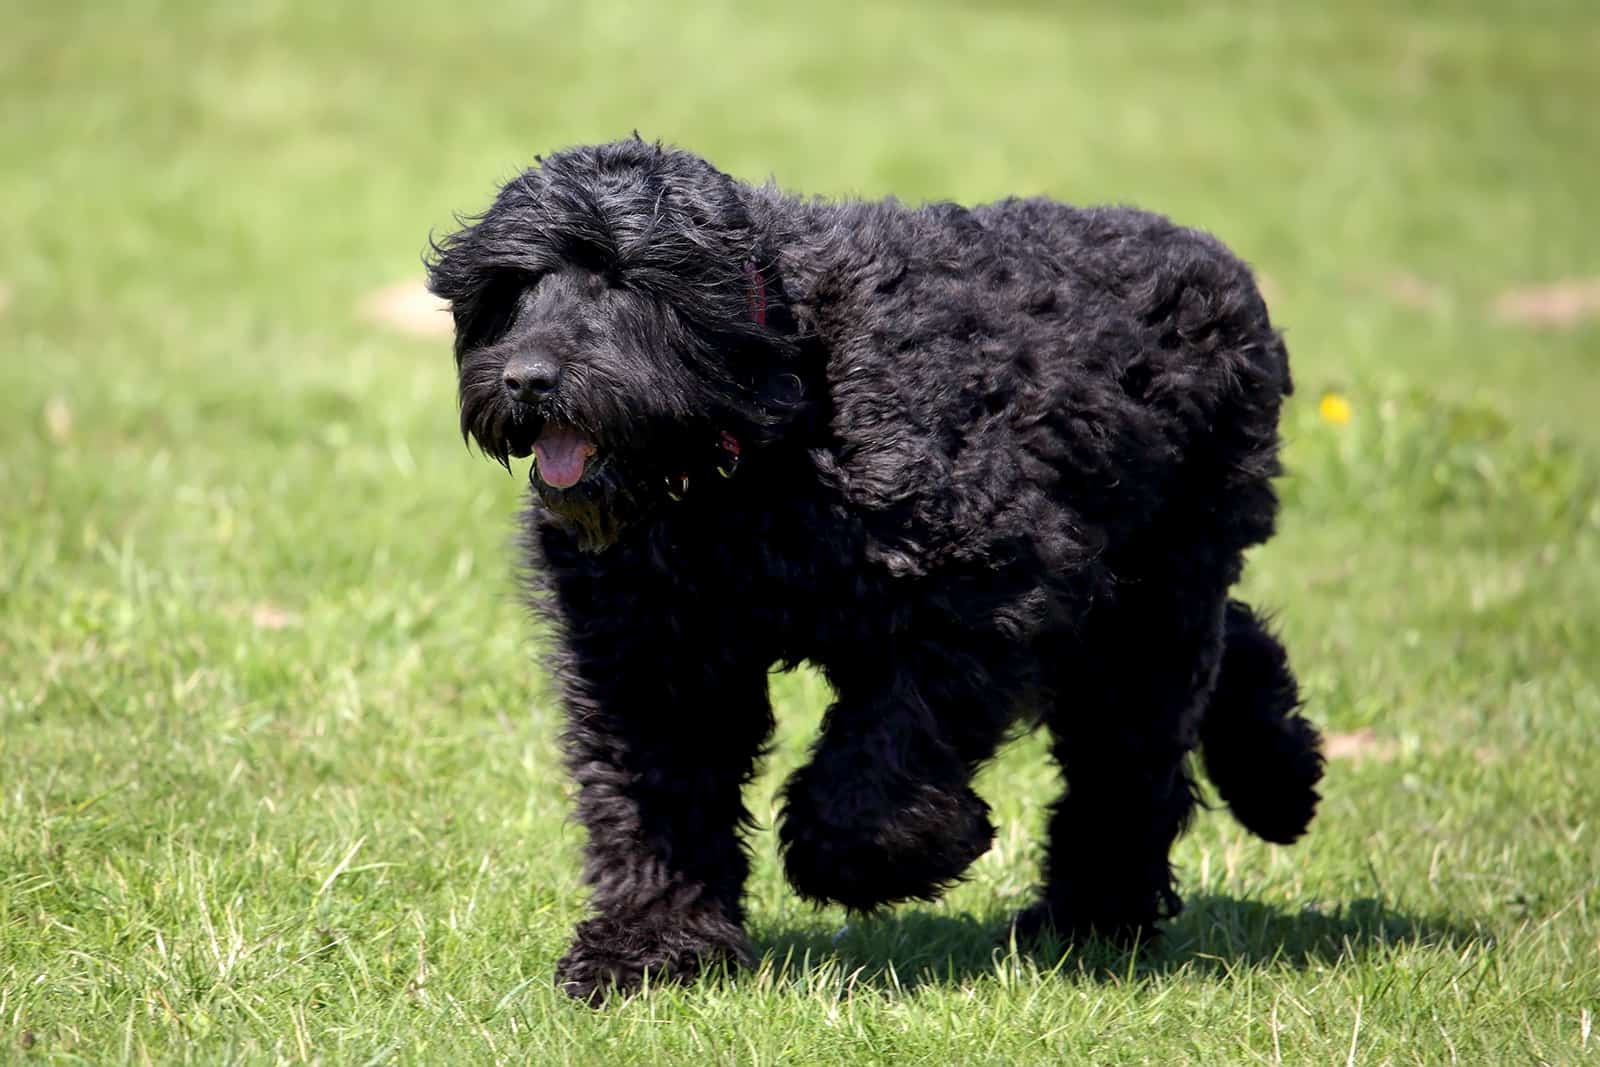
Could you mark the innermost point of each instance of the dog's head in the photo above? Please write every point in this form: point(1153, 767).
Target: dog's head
point(618, 319)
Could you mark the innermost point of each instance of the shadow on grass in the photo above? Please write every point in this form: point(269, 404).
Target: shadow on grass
point(1216, 935)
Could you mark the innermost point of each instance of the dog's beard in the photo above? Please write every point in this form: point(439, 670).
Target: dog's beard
point(601, 506)
point(591, 487)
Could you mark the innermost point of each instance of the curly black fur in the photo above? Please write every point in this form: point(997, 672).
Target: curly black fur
point(985, 467)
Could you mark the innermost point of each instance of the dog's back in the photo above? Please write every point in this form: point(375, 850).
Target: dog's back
point(1059, 378)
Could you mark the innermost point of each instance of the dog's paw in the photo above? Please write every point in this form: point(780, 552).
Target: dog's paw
point(1037, 926)
point(614, 955)
point(866, 856)
point(1044, 922)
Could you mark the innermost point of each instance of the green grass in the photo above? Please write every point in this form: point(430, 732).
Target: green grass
point(277, 772)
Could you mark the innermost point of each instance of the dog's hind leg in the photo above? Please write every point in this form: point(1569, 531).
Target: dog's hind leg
point(1126, 715)
point(885, 810)
point(1261, 754)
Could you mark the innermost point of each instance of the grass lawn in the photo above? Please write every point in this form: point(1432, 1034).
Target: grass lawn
point(277, 767)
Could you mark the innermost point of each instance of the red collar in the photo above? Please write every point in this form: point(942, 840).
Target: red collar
point(757, 293)
point(727, 458)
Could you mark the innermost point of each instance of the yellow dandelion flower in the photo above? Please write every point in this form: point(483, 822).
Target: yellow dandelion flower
point(1334, 408)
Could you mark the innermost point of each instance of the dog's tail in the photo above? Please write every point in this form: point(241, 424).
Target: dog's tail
point(1263, 757)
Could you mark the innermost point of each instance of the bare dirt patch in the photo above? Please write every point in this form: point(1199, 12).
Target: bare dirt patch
point(1269, 288)
point(5, 297)
point(1409, 290)
point(272, 617)
point(1362, 744)
point(58, 419)
point(1559, 305)
point(408, 308)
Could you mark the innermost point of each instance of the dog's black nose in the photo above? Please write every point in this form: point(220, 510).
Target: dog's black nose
point(527, 378)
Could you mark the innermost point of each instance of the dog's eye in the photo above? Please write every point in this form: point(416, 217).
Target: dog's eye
point(496, 308)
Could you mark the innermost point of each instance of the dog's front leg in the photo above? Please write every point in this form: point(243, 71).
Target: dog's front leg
point(885, 809)
point(659, 746)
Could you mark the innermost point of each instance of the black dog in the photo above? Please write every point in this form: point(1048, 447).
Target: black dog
point(984, 467)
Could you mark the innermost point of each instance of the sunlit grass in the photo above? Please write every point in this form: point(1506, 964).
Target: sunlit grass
point(277, 766)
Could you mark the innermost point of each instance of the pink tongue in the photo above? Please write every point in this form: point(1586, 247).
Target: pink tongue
point(560, 453)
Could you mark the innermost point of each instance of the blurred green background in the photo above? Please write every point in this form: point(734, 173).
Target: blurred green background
point(278, 772)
